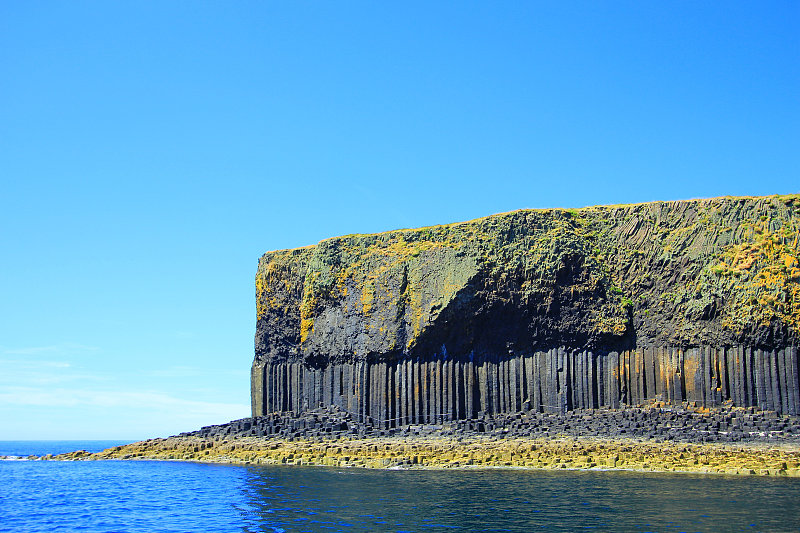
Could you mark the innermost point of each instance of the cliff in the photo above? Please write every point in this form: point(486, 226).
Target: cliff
point(539, 310)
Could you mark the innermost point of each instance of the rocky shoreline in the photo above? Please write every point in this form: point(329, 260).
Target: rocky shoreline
point(653, 439)
point(657, 422)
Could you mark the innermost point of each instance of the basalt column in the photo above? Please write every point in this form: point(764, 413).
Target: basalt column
point(546, 310)
point(558, 380)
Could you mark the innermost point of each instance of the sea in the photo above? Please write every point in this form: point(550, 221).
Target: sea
point(167, 496)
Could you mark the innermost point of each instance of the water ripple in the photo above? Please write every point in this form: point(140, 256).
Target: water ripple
point(143, 496)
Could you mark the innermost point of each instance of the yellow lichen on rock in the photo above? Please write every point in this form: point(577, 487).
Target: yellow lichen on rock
point(667, 273)
point(470, 452)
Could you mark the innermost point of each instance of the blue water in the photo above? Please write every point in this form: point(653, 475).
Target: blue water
point(24, 448)
point(145, 496)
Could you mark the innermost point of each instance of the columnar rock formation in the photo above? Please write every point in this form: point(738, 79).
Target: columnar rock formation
point(544, 310)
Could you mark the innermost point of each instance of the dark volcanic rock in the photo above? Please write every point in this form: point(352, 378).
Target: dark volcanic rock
point(679, 424)
point(538, 311)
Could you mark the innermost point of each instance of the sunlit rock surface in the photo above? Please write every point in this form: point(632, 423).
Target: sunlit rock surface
point(538, 310)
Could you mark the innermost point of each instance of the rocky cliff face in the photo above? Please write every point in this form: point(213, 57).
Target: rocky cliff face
point(538, 309)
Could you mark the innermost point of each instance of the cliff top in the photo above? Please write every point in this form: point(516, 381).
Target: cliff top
point(789, 199)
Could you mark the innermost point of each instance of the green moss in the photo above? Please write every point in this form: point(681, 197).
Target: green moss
point(723, 249)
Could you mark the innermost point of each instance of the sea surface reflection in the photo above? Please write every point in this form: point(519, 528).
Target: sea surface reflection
point(323, 499)
point(147, 496)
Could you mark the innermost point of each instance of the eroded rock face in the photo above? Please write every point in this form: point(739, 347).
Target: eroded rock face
point(718, 273)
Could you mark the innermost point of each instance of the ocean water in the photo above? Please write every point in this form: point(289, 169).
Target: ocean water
point(24, 448)
point(159, 496)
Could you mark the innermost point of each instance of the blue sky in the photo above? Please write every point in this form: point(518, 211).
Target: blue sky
point(150, 152)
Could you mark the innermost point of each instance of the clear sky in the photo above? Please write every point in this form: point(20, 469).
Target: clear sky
point(150, 152)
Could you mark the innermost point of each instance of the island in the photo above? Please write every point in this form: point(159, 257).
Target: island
point(656, 336)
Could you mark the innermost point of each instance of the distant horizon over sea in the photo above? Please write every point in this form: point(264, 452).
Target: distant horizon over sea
point(24, 448)
point(174, 496)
